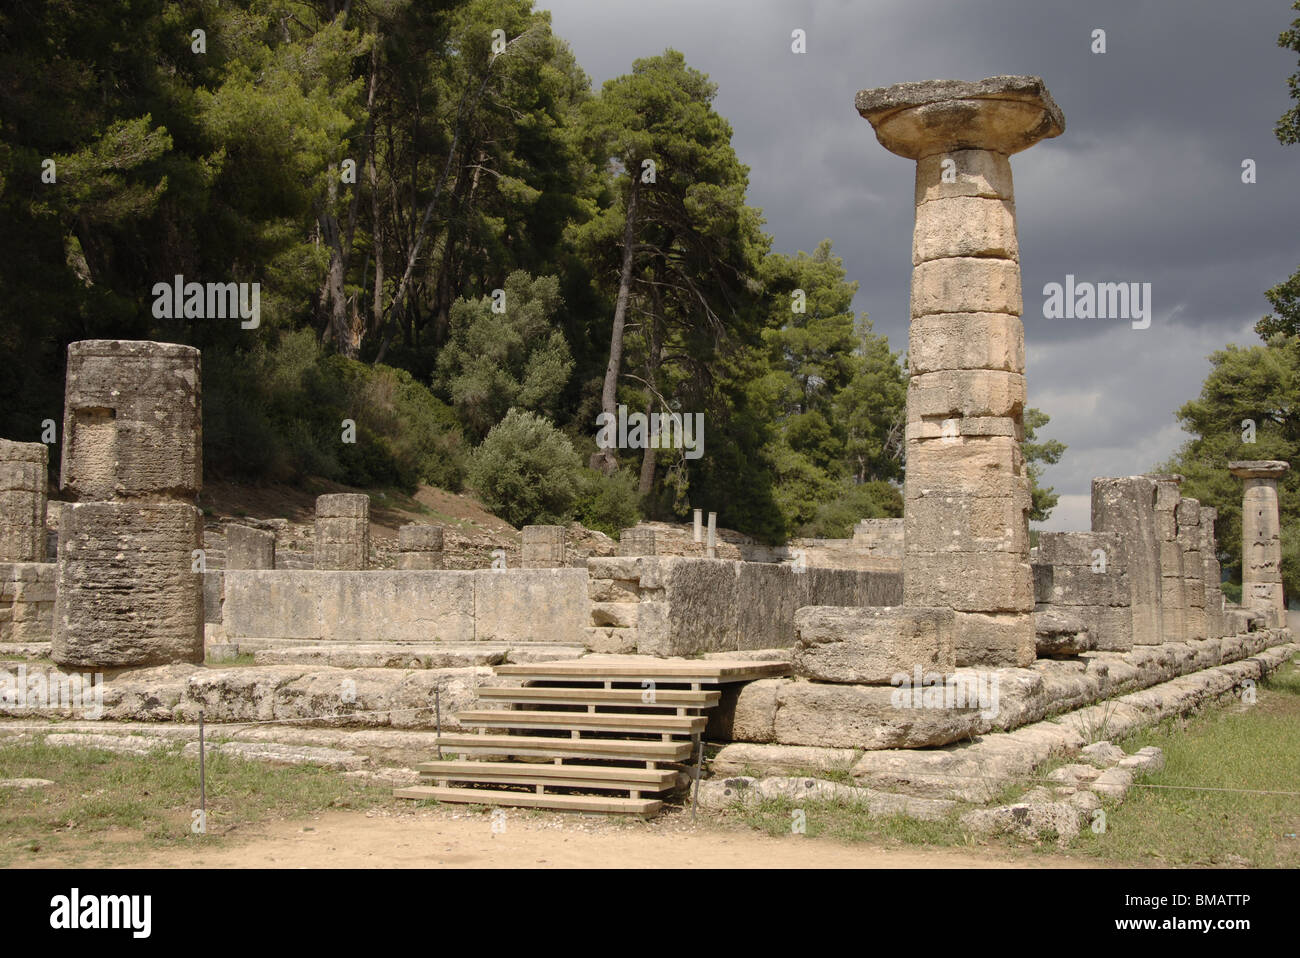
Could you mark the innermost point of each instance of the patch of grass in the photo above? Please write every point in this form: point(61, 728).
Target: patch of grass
point(846, 821)
point(103, 806)
point(1236, 747)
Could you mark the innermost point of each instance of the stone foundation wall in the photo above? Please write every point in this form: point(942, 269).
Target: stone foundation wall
point(485, 605)
point(672, 605)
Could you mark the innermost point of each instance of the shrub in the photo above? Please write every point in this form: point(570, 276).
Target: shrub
point(835, 518)
point(606, 503)
point(526, 471)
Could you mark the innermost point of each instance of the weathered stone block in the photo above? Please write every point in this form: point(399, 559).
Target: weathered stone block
point(249, 548)
point(969, 581)
point(966, 341)
point(871, 646)
point(864, 716)
point(969, 173)
point(966, 285)
point(965, 226)
point(955, 393)
point(416, 537)
point(1059, 633)
point(128, 594)
point(999, 639)
point(957, 523)
point(977, 466)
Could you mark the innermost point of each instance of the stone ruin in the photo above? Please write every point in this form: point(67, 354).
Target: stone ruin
point(880, 648)
point(130, 589)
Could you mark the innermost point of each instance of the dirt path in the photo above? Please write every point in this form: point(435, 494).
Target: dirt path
point(441, 840)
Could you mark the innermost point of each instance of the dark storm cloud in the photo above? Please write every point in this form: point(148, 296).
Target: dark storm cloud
point(1145, 184)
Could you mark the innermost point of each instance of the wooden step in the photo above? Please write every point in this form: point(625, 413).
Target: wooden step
point(584, 721)
point(535, 773)
point(692, 671)
point(627, 698)
point(572, 803)
point(547, 747)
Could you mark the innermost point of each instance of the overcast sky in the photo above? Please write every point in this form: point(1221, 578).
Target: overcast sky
point(1143, 186)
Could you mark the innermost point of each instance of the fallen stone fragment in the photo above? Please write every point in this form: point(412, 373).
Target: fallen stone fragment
point(1026, 821)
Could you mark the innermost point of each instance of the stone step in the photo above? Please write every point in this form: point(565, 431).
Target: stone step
point(24, 651)
point(401, 655)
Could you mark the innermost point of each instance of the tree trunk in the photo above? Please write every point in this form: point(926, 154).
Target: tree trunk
point(653, 337)
point(606, 460)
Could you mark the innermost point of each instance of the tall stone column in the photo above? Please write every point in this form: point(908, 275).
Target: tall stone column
point(1173, 593)
point(129, 588)
point(342, 540)
point(966, 491)
point(1126, 506)
point(1189, 539)
point(1211, 572)
point(1261, 538)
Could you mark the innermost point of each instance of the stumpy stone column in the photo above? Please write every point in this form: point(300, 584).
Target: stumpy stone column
point(342, 530)
point(23, 484)
point(636, 542)
point(419, 547)
point(130, 592)
point(1261, 538)
point(543, 547)
point(966, 490)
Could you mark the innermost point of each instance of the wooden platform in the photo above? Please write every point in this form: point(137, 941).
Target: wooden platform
point(631, 724)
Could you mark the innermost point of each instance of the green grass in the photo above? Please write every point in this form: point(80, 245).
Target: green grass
point(1238, 747)
point(103, 805)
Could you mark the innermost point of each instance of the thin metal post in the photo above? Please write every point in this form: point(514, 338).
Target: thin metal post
point(203, 781)
point(437, 715)
point(699, 760)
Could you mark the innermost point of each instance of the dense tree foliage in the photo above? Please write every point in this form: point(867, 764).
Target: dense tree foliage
point(445, 223)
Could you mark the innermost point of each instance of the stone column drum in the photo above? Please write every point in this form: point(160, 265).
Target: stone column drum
point(23, 483)
point(130, 589)
point(966, 490)
point(1261, 538)
point(419, 547)
point(342, 532)
point(543, 547)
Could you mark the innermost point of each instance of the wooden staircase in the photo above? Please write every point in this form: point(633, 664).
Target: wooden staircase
point(629, 725)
